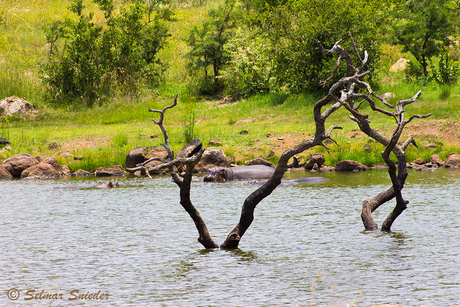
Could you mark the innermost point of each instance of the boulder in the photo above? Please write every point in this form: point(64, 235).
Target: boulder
point(190, 149)
point(453, 160)
point(137, 155)
point(259, 161)
point(15, 105)
point(116, 170)
point(50, 160)
point(400, 65)
point(350, 165)
point(66, 155)
point(4, 141)
point(419, 161)
point(65, 170)
point(53, 162)
point(158, 153)
point(327, 168)
point(18, 163)
point(317, 159)
point(41, 170)
point(435, 159)
point(294, 163)
point(212, 156)
point(4, 174)
point(82, 173)
point(387, 96)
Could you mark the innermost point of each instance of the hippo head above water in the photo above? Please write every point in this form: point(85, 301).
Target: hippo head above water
point(215, 174)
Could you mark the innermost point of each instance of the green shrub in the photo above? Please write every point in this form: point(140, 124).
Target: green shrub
point(91, 60)
point(207, 52)
point(250, 69)
point(446, 75)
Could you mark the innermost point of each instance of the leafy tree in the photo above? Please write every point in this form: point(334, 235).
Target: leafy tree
point(250, 68)
point(291, 26)
point(425, 27)
point(207, 43)
point(90, 60)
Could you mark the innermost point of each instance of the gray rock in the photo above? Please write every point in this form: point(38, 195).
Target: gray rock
point(436, 160)
point(18, 163)
point(400, 65)
point(137, 155)
point(157, 153)
point(116, 170)
point(40, 171)
point(315, 158)
point(350, 165)
point(453, 160)
point(82, 173)
point(212, 156)
point(4, 141)
point(4, 174)
point(419, 161)
point(15, 105)
point(190, 149)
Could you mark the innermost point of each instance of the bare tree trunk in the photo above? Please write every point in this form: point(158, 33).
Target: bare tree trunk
point(249, 205)
point(346, 87)
point(185, 183)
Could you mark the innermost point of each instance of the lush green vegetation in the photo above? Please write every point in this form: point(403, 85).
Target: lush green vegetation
point(260, 51)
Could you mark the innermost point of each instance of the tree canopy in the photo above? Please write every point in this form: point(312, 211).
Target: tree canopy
point(425, 28)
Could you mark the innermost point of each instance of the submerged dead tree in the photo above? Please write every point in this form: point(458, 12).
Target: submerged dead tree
point(347, 92)
point(343, 93)
point(249, 205)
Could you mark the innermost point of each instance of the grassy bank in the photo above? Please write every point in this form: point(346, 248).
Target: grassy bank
point(104, 134)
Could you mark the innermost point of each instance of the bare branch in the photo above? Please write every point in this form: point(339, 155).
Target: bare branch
point(163, 129)
point(403, 103)
point(372, 104)
point(162, 112)
point(418, 116)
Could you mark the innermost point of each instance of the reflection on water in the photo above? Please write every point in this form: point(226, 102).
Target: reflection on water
point(306, 246)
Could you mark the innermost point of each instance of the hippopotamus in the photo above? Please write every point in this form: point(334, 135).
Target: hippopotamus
point(239, 172)
point(293, 181)
point(100, 185)
point(283, 182)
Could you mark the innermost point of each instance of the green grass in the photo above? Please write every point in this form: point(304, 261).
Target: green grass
point(116, 129)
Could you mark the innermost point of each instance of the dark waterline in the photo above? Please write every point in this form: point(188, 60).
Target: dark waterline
point(306, 247)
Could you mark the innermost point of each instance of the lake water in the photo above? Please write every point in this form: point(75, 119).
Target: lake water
point(136, 246)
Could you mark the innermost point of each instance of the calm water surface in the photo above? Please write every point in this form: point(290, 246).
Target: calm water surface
point(306, 246)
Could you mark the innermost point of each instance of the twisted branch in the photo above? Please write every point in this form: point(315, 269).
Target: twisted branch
point(398, 173)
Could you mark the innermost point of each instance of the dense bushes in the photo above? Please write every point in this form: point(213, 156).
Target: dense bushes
point(238, 48)
point(273, 45)
point(90, 59)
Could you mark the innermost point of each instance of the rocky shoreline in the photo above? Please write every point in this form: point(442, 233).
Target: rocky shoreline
point(25, 165)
